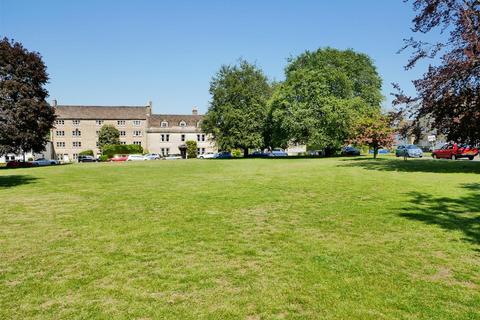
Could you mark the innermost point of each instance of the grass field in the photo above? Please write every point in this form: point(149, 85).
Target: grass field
point(242, 239)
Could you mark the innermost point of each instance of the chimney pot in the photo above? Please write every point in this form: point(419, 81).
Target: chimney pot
point(194, 110)
point(54, 102)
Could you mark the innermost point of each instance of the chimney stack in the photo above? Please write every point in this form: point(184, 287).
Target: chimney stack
point(54, 103)
point(149, 108)
point(194, 111)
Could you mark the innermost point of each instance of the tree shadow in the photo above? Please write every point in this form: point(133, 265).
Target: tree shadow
point(15, 180)
point(415, 165)
point(450, 213)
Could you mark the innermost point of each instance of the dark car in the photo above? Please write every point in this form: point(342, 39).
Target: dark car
point(223, 155)
point(350, 151)
point(83, 158)
point(258, 154)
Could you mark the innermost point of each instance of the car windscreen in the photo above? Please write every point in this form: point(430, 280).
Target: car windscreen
point(412, 146)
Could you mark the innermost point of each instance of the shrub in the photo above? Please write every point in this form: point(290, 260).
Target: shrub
point(86, 153)
point(113, 149)
point(191, 149)
point(236, 153)
point(103, 158)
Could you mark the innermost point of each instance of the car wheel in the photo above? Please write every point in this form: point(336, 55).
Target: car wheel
point(470, 158)
point(453, 157)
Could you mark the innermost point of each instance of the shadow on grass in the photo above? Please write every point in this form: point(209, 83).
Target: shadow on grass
point(450, 213)
point(15, 180)
point(415, 165)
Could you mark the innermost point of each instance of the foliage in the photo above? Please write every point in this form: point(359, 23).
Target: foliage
point(112, 149)
point(324, 94)
point(86, 153)
point(236, 153)
point(448, 94)
point(25, 117)
point(103, 158)
point(108, 135)
point(191, 149)
point(238, 111)
point(376, 132)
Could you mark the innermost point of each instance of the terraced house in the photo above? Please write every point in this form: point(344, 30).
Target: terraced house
point(77, 127)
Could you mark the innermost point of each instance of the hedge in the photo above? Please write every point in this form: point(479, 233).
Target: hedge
point(86, 153)
point(113, 149)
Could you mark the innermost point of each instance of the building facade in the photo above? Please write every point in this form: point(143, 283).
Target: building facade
point(77, 128)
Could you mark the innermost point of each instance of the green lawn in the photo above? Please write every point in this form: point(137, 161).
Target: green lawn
point(242, 239)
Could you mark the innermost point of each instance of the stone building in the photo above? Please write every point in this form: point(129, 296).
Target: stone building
point(77, 127)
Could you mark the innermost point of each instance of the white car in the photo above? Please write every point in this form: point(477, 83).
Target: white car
point(152, 156)
point(209, 155)
point(136, 157)
point(172, 157)
point(45, 162)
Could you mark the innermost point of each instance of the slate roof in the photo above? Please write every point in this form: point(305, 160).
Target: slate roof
point(101, 112)
point(174, 119)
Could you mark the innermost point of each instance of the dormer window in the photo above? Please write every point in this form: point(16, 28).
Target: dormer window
point(164, 124)
point(183, 124)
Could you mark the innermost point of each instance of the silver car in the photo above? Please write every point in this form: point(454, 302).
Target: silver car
point(409, 150)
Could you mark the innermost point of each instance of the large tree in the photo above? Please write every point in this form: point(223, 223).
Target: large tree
point(448, 94)
point(324, 93)
point(25, 116)
point(238, 110)
point(108, 135)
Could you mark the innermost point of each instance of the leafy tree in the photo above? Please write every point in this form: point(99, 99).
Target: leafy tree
point(324, 93)
point(448, 94)
point(238, 111)
point(191, 149)
point(108, 135)
point(374, 131)
point(25, 117)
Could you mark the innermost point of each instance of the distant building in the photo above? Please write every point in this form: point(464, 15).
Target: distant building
point(77, 128)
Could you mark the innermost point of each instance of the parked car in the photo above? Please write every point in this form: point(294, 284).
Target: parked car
point(350, 151)
point(223, 155)
point(409, 150)
point(277, 152)
point(19, 164)
point(258, 154)
point(119, 158)
point(83, 158)
point(44, 162)
point(380, 151)
point(152, 156)
point(455, 151)
point(173, 157)
point(136, 157)
point(208, 155)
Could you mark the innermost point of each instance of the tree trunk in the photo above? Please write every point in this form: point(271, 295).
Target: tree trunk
point(375, 152)
point(245, 152)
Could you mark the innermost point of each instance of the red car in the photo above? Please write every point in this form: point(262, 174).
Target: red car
point(19, 164)
point(119, 158)
point(455, 151)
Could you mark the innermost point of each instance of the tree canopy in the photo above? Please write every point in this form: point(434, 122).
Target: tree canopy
point(374, 131)
point(448, 94)
point(238, 110)
point(108, 135)
point(25, 116)
point(323, 95)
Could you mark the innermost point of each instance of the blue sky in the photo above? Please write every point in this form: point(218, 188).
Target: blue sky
point(129, 52)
